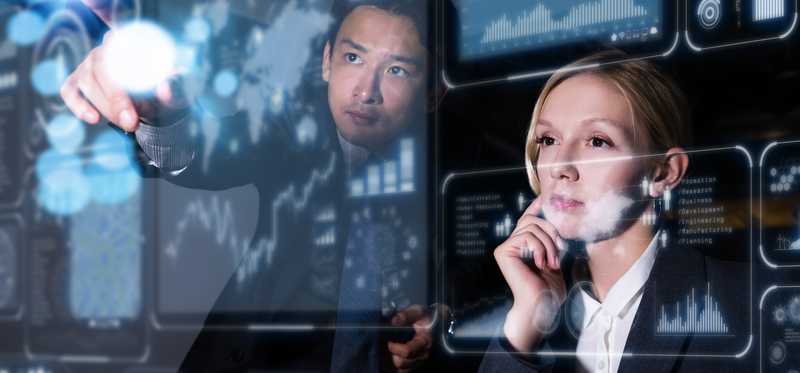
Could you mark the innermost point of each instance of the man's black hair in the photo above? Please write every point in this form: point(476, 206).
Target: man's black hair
point(416, 10)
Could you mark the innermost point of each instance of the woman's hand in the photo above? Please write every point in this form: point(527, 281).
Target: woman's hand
point(529, 262)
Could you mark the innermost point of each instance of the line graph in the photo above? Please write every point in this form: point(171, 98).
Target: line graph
point(218, 218)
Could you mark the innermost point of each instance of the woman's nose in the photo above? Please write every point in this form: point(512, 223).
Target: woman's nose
point(563, 167)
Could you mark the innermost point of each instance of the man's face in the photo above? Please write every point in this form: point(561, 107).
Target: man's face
point(375, 73)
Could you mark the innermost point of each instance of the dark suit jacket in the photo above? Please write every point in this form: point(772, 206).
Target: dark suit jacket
point(301, 285)
point(675, 273)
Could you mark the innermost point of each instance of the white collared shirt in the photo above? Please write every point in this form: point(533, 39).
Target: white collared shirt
point(606, 325)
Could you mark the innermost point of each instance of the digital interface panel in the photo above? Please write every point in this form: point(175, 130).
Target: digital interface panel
point(512, 39)
point(720, 23)
point(780, 329)
point(508, 26)
point(780, 205)
point(709, 212)
point(104, 270)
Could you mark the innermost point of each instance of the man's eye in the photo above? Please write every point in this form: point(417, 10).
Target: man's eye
point(352, 58)
point(598, 142)
point(546, 141)
point(398, 71)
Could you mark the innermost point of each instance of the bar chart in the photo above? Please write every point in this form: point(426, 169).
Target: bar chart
point(507, 26)
point(765, 10)
point(391, 176)
point(692, 319)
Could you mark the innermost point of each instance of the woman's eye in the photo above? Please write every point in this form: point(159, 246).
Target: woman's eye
point(598, 142)
point(546, 140)
point(352, 58)
point(398, 71)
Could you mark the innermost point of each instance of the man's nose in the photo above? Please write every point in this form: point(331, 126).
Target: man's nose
point(368, 89)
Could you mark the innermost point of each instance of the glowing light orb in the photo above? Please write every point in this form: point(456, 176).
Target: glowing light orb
point(25, 27)
point(139, 56)
point(112, 187)
point(197, 30)
point(65, 133)
point(63, 190)
point(112, 151)
point(48, 76)
point(225, 83)
point(51, 161)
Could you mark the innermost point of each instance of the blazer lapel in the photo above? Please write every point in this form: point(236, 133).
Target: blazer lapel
point(675, 273)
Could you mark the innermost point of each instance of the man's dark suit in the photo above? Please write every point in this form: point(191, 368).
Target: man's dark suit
point(301, 284)
point(675, 273)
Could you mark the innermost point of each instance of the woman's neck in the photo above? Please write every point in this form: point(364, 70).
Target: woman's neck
point(611, 258)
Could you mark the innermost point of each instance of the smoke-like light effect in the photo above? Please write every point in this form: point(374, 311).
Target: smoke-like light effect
point(601, 219)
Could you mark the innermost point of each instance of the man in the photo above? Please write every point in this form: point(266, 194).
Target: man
point(375, 65)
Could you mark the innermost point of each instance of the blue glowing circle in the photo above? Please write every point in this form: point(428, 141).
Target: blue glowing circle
point(48, 76)
point(63, 192)
point(51, 161)
point(25, 27)
point(112, 187)
point(197, 30)
point(65, 133)
point(112, 151)
point(225, 83)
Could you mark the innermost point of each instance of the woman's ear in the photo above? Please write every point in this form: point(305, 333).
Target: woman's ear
point(669, 172)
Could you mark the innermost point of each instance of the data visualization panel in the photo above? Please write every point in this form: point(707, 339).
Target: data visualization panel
point(721, 23)
point(707, 215)
point(780, 329)
point(508, 26)
point(780, 204)
point(488, 40)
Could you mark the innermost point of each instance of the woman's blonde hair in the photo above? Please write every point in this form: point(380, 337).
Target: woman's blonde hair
point(658, 105)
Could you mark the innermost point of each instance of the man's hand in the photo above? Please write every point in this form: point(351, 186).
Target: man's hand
point(90, 93)
point(414, 353)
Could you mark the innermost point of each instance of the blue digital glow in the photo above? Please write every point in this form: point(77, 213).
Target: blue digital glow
point(105, 261)
point(185, 58)
point(225, 83)
point(112, 187)
point(306, 131)
point(197, 30)
point(64, 191)
point(65, 133)
point(491, 28)
point(51, 161)
point(112, 151)
point(48, 76)
point(25, 28)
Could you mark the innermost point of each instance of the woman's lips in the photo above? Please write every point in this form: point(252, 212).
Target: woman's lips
point(564, 203)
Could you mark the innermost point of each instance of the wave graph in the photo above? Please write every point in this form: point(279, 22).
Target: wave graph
point(219, 219)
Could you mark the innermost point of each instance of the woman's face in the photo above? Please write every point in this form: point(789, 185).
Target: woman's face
point(590, 177)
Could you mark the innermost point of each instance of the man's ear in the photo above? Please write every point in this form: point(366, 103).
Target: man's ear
point(669, 172)
point(326, 62)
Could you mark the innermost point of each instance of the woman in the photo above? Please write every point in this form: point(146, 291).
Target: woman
point(603, 148)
